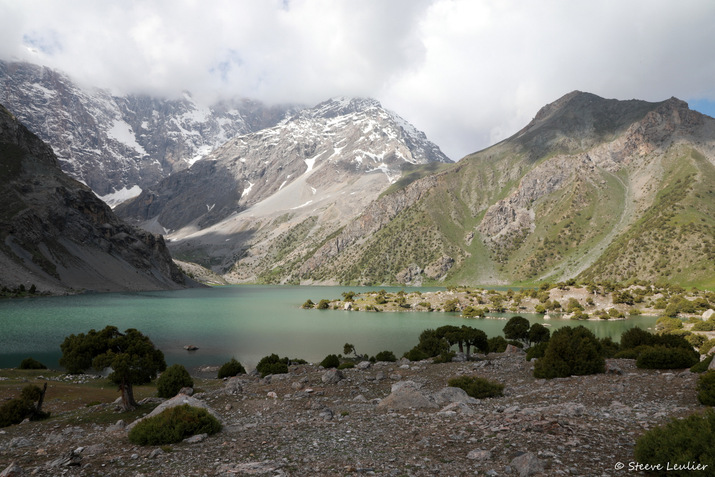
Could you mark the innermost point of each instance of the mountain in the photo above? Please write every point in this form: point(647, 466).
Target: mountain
point(119, 145)
point(57, 235)
point(591, 188)
point(273, 195)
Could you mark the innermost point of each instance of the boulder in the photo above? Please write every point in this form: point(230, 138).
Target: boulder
point(711, 366)
point(332, 376)
point(707, 314)
point(450, 395)
point(511, 349)
point(233, 386)
point(407, 395)
point(479, 454)
point(527, 464)
point(362, 365)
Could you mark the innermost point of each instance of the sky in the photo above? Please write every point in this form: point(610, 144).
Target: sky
point(468, 73)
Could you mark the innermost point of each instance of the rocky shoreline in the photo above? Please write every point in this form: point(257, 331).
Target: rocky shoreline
point(391, 419)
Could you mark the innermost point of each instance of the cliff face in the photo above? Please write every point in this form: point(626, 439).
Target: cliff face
point(56, 234)
point(591, 188)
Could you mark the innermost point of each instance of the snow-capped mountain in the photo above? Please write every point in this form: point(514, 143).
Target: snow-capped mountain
point(119, 145)
point(308, 175)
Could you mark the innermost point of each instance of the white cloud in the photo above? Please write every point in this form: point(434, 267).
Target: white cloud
point(469, 73)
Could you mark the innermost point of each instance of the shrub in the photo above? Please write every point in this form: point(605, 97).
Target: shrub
point(445, 356)
point(172, 380)
point(696, 340)
point(272, 365)
point(661, 357)
point(478, 388)
point(609, 348)
point(346, 365)
point(323, 304)
point(538, 333)
point(536, 351)
point(680, 442)
point(707, 346)
point(31, 363)
point(231, 368)
point(415, 354)
point(388, 356)
point(497, 344)
point(17, 410)
point(307, 305)
point(174, 425)
point(706, 388)
point(330, 361)
point(571, 351)
point(704, 326)
point(702, 366)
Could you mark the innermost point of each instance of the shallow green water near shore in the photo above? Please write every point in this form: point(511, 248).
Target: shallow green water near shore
point(246, 322)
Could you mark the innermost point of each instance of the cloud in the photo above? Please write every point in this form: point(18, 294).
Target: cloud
point(469, 73)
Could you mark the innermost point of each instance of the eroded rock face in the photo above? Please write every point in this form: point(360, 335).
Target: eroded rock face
point(59, 236)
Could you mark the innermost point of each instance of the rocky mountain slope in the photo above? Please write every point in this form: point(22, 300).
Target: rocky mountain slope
point(271, 196)
point(591, 188)
point(119, 145)
point(57, 235)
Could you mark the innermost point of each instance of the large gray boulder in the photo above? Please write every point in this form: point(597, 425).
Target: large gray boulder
point(407, 395)
point(178, 400)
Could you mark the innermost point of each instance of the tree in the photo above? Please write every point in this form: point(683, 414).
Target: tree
point(131, 356)
point(476, 338)
point(517, 328)
point(571, 352)
point(349, 348)
point(538, 333)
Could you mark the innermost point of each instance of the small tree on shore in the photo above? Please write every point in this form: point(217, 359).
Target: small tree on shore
point(131, 356)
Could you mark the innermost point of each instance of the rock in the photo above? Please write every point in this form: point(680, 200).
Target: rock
point(527, 464)
point(707, 314)
point(612, 368)
point(250, 468)
point(117, 426)
point(272, 394)
point(67, 460)
point(20, 442)
point(511, 349)
point(457, 408)
point(156, 453)
point(12, 470)
point(297, 385)
point(195, 439)
point(379, 376)
point(187, 391)
point(479, 454)
point(332, 376)
point(711, 366)
point(547, 317)
point(450, 395)
point(348, 306)
point(362, 365)
point(233, 386)
point(396, 376)
point(407, 396)
point(326, 414)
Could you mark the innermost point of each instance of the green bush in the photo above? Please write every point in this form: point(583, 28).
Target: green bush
point(536, 351)
point(704, 326)
point(660, 357)
point(702, 366)
point(31, 363)
point(497, 344)
point(323, 304)
point(174, 425)
point(680, 442)
point(231, 368)
point(172, 380)
point(272, 364)
point(346, 365)
point(571, 352)
point(707, 346)
point(478, 388)
point(388, 356)
point(706, 388)
point(307, 305)
point(609, 348)
point(17, 410)
point(330, 361)
point(415, 354)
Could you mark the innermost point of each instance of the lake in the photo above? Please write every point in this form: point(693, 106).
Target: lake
point(245, 322)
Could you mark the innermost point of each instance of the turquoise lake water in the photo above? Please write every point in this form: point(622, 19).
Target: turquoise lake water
point(245, 322)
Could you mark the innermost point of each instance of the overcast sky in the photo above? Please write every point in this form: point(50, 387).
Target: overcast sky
point(467, 72)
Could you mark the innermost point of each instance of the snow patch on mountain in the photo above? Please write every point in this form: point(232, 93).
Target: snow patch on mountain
point(119, 196)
